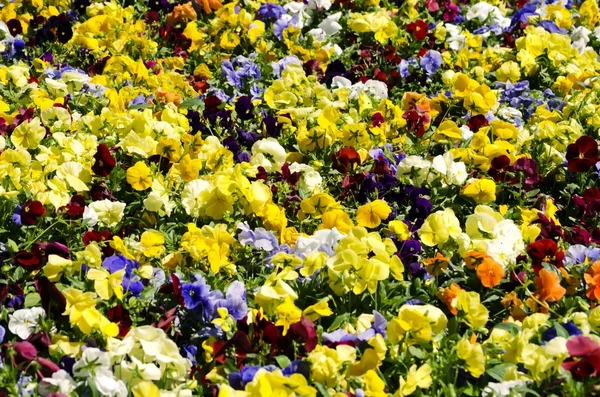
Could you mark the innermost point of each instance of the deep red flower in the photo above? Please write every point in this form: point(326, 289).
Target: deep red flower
point(591, 194)
point(476, 122)
point(99, 237)
point(28, 260)
point(391, 54)
point(31, 211)
point(212, 102)
point(262, 174)
point(379, 75)
point(579, 236)
point(545, 250)
point(596, 236)
point(100, 191)
point(24, 115)
point(588, 354)
point(582, 154)
point(105, 162)
point(96, 236)
point(500, 165)
point(352, 181)
point(14, 27)
point(120, 315)
point(53, 301)
point(377, 119)
point(525, 172)
point(291, 178)
point(550, 230)
point(418, 29)
point(75, 208)
point(174, 288)
point(312, 67)
point(304, 331)
point(345, 159)
point(416, 121)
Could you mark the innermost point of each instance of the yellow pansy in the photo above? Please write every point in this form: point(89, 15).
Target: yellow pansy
point(139, 176)
point(107, 284)
point(152, 242)
point(370, 215)
point(481, 190)
point(318, 310)
point(287, 314)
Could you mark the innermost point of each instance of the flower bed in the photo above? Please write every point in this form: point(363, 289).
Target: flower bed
point(350, 198)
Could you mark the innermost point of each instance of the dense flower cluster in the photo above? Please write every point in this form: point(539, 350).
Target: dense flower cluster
point(299, 198)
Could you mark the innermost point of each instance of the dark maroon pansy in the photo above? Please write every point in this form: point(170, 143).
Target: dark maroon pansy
point(105, 162)
point(545, 250)
point(476, 122)
point(120, 315)
point(75, 208)
point(500, 166)
point(582, 154)
point(53, 301)
point(29, 260)
point(31, 211)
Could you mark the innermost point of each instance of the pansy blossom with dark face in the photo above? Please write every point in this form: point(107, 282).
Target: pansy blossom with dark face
point(105, 162)
point(582, 155)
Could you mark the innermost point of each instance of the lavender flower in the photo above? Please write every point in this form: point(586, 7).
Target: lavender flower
point(259, 238)
point(431, 62)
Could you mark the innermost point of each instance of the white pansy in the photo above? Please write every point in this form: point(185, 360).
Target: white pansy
point(456, 41)
point(415, 170)
point(92, 361)
point(377, 89)
point(466, 132)
point(331, 25)
point(298, 10)
point(109, 212)
point(453, 173)
point(108, 386)
point(318, 34)
point(503, 389)
point(322, 240)
point(340, 82)
point(60, 382)
point(580, 37)
point(484, 12)
point(309, 183)
point(319, 4)
point(509, 113)
point(90, 217)
point(24, 322)
point(269, 154)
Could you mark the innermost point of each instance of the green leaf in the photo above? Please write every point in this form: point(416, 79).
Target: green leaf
point(142, 106)
point(510, 327)
point(12, 245)
point(283, 361)
point(191, 103)
point(415, 351)
point(32, 299)
point(499, 371)
point(561, 331)
point(339, 320)
point(322, 390)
